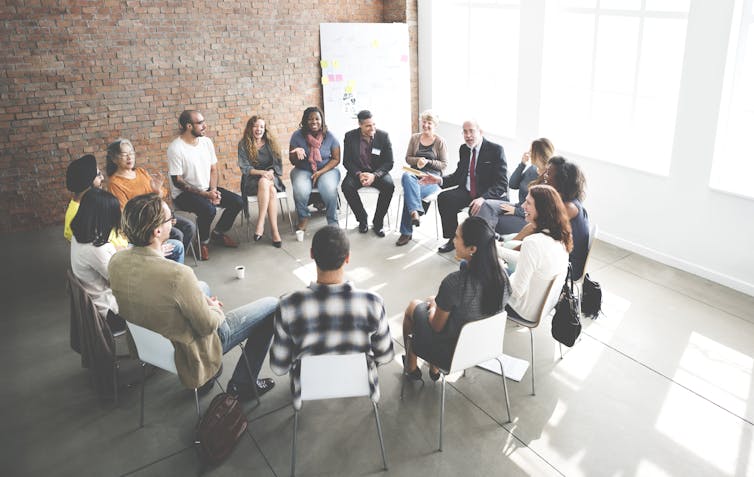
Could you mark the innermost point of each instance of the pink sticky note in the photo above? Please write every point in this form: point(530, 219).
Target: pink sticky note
point(331, 77)
point(404, 58)
point(338, 77)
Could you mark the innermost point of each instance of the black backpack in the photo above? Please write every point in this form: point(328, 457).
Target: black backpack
point(591, 298)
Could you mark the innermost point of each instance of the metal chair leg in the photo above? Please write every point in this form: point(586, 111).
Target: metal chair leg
point(293, 446)
point(116, 368)
point(251, 378)
point(198, 409)
point(379, 433)
point(560, 348)
point(505, 388)
point(531, 340)
point(143, 379)
point(442, 409)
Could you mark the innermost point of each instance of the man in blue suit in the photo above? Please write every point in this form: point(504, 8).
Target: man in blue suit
point(481, 174)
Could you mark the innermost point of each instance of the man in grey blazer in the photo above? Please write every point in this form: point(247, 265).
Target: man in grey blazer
point(368, 158)
point(487, 179)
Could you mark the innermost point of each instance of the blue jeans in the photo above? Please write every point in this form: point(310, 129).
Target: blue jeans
point(301, 179)
point(413, 193)
point(252, 322)
point(178, 252)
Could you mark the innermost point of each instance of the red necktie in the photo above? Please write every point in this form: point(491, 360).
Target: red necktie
point(472, 174)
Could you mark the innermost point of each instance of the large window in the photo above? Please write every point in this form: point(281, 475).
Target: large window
point(733, 165)
point(610, 79)
point(475, 62)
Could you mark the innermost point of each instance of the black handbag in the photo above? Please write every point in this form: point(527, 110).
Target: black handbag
point(591, 298)
point(566, 326)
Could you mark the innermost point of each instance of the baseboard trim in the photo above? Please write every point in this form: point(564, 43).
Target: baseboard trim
point(686, 266)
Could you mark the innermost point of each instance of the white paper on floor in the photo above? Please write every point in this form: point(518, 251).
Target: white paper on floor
point(514, 368)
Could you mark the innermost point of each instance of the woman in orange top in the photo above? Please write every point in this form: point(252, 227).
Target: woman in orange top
point(127, 181)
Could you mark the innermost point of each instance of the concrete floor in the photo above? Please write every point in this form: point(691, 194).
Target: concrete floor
point(660, 385)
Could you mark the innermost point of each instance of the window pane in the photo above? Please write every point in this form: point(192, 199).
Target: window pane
point(681, 6)
point(733, 166)
point(475, 63)
point(620, 4)
point(611, 93)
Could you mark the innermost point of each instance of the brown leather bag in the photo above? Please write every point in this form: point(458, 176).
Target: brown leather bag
point(220, 428)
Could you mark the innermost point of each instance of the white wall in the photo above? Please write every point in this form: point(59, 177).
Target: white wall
point(677, 220)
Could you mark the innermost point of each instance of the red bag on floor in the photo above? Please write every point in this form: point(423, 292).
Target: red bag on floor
point(220, 428)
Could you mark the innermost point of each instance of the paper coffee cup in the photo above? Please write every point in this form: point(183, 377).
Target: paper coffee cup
point(240, 271)
point(300, 235)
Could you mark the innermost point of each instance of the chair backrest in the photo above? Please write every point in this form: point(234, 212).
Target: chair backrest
point(479, 341)
point(153, 348)
point(592, 234)
point(329, 376)
point(553, 293)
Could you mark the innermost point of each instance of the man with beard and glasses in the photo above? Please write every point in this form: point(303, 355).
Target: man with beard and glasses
point(192, 165)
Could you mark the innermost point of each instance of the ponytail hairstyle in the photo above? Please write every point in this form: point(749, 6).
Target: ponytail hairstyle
point(552, 218)
point(484, 265)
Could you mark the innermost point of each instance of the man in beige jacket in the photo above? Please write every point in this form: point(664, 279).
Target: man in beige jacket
point(166, 297)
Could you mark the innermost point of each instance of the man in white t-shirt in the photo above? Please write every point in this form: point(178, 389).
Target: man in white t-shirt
point(192, 165)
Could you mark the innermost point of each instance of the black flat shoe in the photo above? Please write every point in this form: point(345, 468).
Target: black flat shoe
point(277, 244)
point(257, 237)
point(363, 227)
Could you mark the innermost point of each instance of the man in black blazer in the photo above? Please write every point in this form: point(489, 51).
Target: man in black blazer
point(488, 180)
point(368, 158)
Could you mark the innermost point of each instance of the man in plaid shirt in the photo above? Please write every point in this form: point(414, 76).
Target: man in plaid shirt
point(330, 317)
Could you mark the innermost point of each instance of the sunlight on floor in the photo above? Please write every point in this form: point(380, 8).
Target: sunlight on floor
point(724, 373)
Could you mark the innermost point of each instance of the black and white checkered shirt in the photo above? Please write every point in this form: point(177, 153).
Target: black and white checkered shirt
point(330, 319)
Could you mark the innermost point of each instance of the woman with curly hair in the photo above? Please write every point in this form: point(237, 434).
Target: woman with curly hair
point(262, 167)
point(566, 177)
point(544, 253)
point(478, 290)
point(315, 155)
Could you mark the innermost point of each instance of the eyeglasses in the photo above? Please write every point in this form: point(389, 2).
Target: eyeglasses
point(99, 173)
point(198, 122)
point(169, 219)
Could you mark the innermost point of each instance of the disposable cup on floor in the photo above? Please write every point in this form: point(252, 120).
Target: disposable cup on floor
point(240, 271)
point(300, 235)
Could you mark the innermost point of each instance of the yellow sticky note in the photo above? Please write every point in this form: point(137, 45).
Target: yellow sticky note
point(335, 64)
point(325, 80)
point(324, 64)
point(349, 89)
point(375, 43)
point(351, 83)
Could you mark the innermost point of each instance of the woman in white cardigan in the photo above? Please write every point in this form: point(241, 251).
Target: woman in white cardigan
point(544, 254)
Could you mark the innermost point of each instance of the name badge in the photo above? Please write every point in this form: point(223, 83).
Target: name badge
point(376, 151)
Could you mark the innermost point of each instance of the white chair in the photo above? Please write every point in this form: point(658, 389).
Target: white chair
point(552, 289)
point(317, 382)
point(282, 198)
point(155, 349)
point(430, 199)
point(478, 342)
point(373, 191)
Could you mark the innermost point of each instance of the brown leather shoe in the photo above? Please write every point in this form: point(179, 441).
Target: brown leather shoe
point(224, 240)
point(302, 222)
point(403, 240)
point(204, 252)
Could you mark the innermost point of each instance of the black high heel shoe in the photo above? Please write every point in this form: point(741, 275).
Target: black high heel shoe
point(434, 376)
point(415, 375)
point(257, 237)
point(277, 244)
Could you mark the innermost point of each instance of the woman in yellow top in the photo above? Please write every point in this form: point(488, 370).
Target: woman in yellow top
point(126, 181)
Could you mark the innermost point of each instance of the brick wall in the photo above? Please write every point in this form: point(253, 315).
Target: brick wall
point(79, 74)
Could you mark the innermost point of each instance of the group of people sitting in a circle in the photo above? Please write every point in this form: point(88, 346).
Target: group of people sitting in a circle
point(535, 237)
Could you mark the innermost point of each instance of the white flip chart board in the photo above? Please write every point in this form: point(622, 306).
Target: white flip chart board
point(366, 66)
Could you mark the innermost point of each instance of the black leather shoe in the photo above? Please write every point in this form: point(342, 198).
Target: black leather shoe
point(244, 391)
point(277, 244)
point(447, 247)
point(378, 231)
point(363, 227)
point(257, 237)
point(415, 375)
